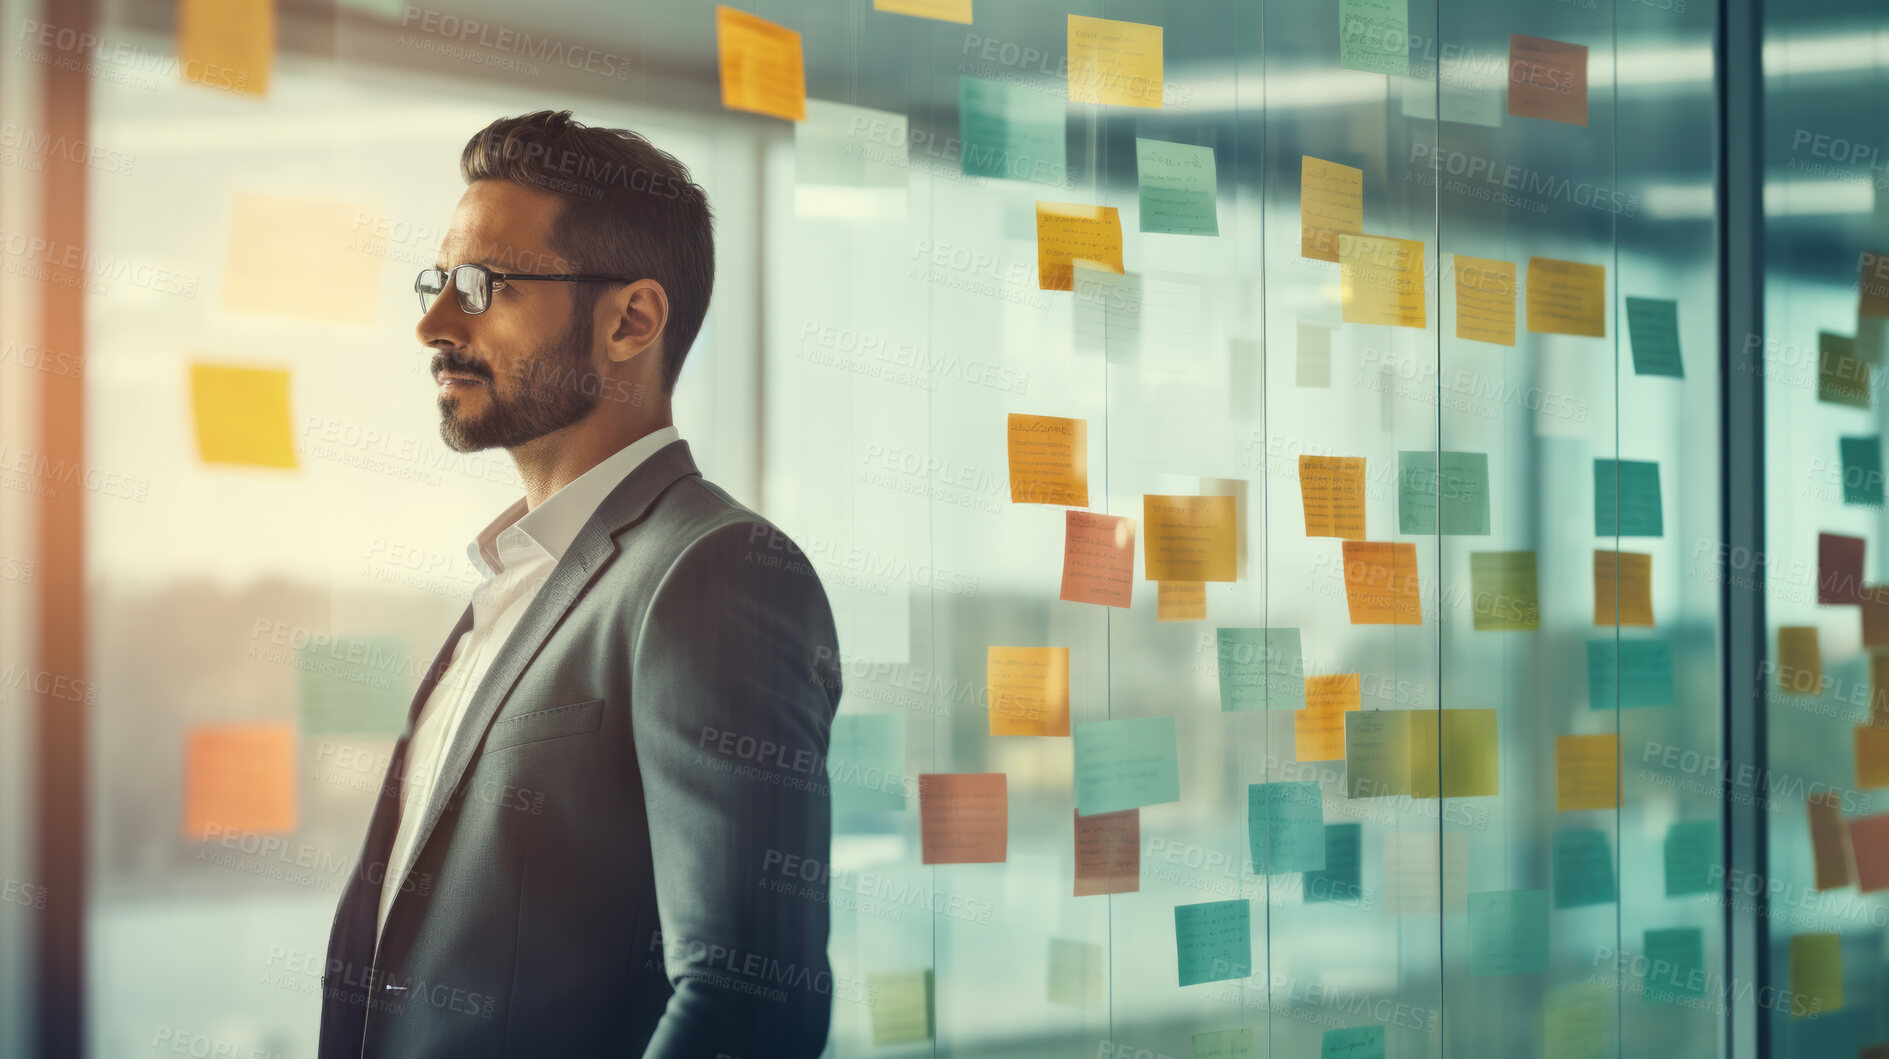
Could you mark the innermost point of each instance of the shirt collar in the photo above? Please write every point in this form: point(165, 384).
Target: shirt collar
point(550, 527)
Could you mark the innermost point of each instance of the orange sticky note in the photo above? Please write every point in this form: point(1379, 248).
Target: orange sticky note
point(1180, 601)
point(1331, 200)
point(1382, 280)
point(963, 817)
point(1108, 853)
point(1068, 232)
point(1318, 730)
point(1188, 538)
point(242, 415)
point(239, 777)
point(1114, 63)
point(1485, 300)
point(941, 10)
point(1547, 79)
point(1049, 460)
point(1381, 583)
point(1331, 488)
point(1872, 756)
point(1586, 772)
point(1098, 559)
point(1831, 859)
point(761, 65)
point(226, 44)
point(1567, 297)
point(1623, 588)
point(1869, 837)
point(1872, 284)
point(1029, 690)
point(1800, 662)
point(304, 259)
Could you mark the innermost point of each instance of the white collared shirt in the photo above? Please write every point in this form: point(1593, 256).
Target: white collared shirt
point(515, 553)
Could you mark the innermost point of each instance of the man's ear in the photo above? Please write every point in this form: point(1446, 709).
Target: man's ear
point(637, 315)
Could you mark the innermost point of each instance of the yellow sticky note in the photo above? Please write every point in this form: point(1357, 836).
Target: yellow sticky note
point(239, 778)
point(1453, 751)
point(1382, 280)
point(1180, 601)
point(1114, 63)
point(1381, 583)
point(1188, 538)
point(1817, 972)
point(901, 1006)
point(1623, 580)
point(1029, 690)
point(1049, 460)
point(1331, 200)
point(1586, 772)
point(242, 415)
point(1567, 297)
point(1318, 730)
point(1832, 860)
point(306, 259)
point(1331, 488)
point(227, 45)
point(761, 65)
point(1485, 300)
point(1872, 756)
point(942, 10)
point(1800, 662)
point(1068, 232)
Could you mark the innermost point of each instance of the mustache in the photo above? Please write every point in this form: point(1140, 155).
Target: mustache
point(446, 360)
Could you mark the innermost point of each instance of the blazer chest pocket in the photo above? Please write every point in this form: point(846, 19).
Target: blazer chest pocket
point(539, 725)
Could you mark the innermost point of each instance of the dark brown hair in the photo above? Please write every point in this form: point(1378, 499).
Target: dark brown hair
point(630, 210)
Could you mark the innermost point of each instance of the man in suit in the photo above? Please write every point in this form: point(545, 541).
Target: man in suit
point(579, 846)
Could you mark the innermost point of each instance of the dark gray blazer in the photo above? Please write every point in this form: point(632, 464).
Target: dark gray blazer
point(593, 873)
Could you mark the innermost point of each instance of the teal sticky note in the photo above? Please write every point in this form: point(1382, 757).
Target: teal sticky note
point(1691, 854)
point(1011, 132)
point(1342, 877)
point(1352, 1042)
point(1213, 941)
point(1626, 499)
point(1179, 191)
point(1261, 669)
point(865, 763)
point(1653, 330)
point(1583, 868)
point(1508, 932)
point(355, 686)
point(1675, 964)
point(1126, 764)
point(1629, 674)
point(1862, 470)
point(1458, 494)
point(1374, 36)
point(1832, 1033)
point(1285, 827)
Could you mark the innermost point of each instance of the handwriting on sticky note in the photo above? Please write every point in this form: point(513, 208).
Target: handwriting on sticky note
point(1653, 331)
point(1126, 764)
point(1285, 827)
point(1626, 499)
point(1547, 80)
point(1586, 772)
point(1381, 583)
point(1098, 559)
point(1457, 495)
point(1180, 601)
point(1508, 932)
point(1331, 489)
point(1189, 538)
point(1422, 880)
point(1049, 460)
point(901, 1006)
point(1374, 36)
point(1224, 1044)
point(1485, 300)
point(1503, 591)
point(1114, 63)
point(1583, 868)
point(1178, 190)
point(1318, 730)
point(1627, 674)
point(761, 65)
point(1260, 669)
point(1352, 1042)
point(1213, 941)
point(1331, 200)
point(1691, 858)
point(1623, 588)
point(1029, 690)
point(1381, 280)
point(242, 415)
point(964, 817)
point(1068, 232)
point(1108, 853)
point(1567, 297)
point(239, 778)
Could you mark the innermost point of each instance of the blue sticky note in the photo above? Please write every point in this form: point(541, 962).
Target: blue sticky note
point(1508, 932)
point(1179, 191)
point(1583, 868)
point(1285, 827)
point(1675, 965)
point(1653, 329)
point(1629, 674)
point(1626, 499)
point(1342, 877)
point(1862, 470)
point(1352, 1042)
point(1126, 764)
point(1692, 858)
point(865, 763)
point(1457, 495)
point(1214, 941)
point(1261, 669)
point(1012, 132)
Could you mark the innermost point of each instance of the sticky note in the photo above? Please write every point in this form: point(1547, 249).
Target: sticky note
point(1508, 932)
point(1188, 538)
point(1422, 880)
point(1452, 752)
point(1872, 285)
point(302, 258)
point(1691, 857)
point(356, 686)
point(901, 1006)
point(1485, 300)
point(1377, 753)
point(1126, 764)
point(1879, 689)
point(239, 778)
point(1653, 331)
point(1832, 861)
point(1839, 568)
point(1623, 588)
point(1567, 297)
point(865, 763)
point(1260, 669)
point(1341, 879)
point(1180, 601)
point(1114, 63)
point(1029, 690)
point(1586, 772)
point(1049, 460)
point(1799, 661)
point(1312, 363)
point(1872, 758)
point(1318, 730)
point(1179, 191)
point(1503, 591)
point(1583, 868)
point(1626, 499)
point(941, 10)
point(761, 67)
point(1078, 971)
point(1352, 1042)
point(1108, 853)
point(1331, 200)
point(1331, 490)
point(242, 415)
point(1098, 559)
point(1547, 80)
point(1842, 376)
point(850, 162)
point(1067, 232)
point(1676, 965)
point(1374, 36)
point(964, 817)
point(1381, 280)
point(1224, 1044)
point(1628, 674)
point(1817, 971)
point(1869, 837)
point(1213, 941)
point(233, 38)
point(1381, 583)
point(1011, 132)
point(1862, 470)
point(1875, 611)
point(1144, 321)
point(1574, 1020)
point(1285, 827)
point(1457, 494)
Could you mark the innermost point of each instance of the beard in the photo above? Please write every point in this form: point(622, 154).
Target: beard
point(541, 396)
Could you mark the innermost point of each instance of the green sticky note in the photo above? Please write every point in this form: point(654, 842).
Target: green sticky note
point(1224, 1044)
point(1261, 669)
point(1626, 499)
point(1342, 877)
point(1508, 932)
point(356, 686)
point(1126, 764)
point(1011, 132)
point(1352, 1042)
point(1459, 494)
point(1179, 192)
point(1862, 470)
point(1675, 964)
point(1285, 827)
point(1629, 674)
point(1842, 376)
point(1583, 868)
point(1574, 1020)
point(865, 763)
point(1214, 941)
point(1653, 329)
point(1374, 36)
point(1504, 592)
point(1692, 858)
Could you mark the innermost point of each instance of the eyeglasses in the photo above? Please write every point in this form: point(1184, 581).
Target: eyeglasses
point(474, 284)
